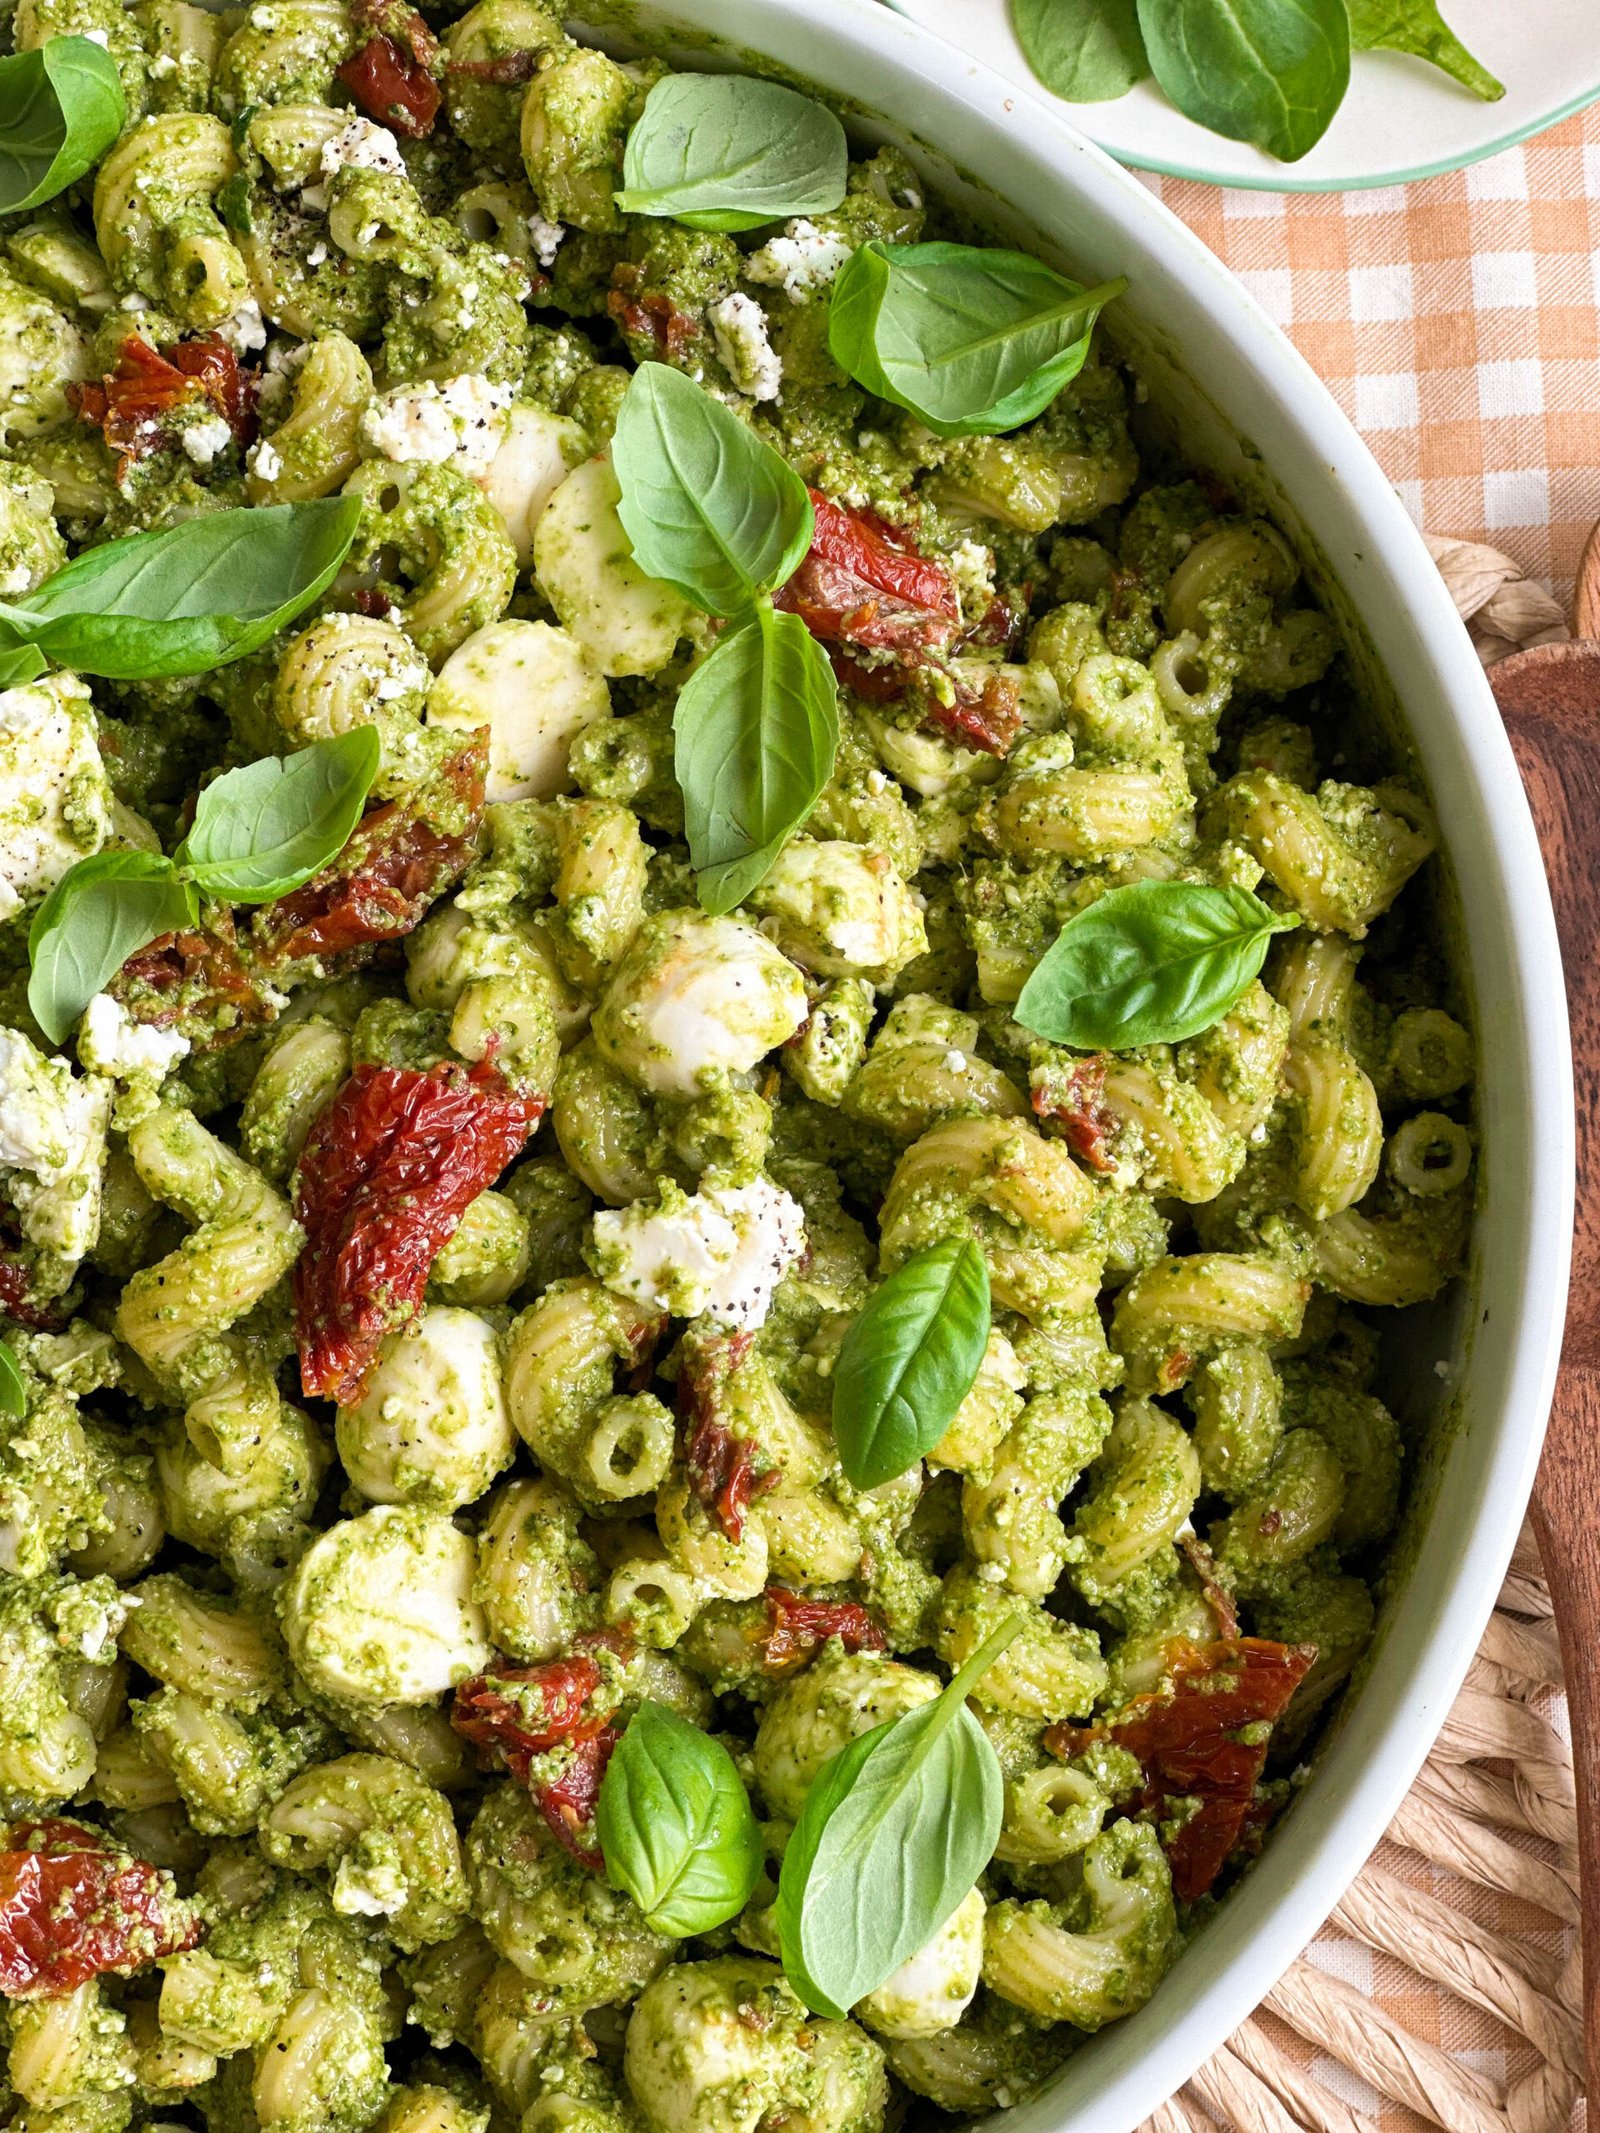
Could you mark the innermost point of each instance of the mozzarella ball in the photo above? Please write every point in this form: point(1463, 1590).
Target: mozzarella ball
point(932, 1989)
point(534, 687)
point(835, 1701)
point(584, 563)
point(694, 997)
point(431, 1426)
point(380, 1609)
point(841, 910)
point(538, 454)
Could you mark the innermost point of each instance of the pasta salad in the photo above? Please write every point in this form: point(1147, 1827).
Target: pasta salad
point(714, 1065)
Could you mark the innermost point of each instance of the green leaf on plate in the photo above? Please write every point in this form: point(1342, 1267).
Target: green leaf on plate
point(1273, 72)
point(909, 1360)
point(98, 914)
point(676, 1826)
point(1417, 27)
point(728, 152)
point(264, 829)
point(1086, 51)
point(61, 107)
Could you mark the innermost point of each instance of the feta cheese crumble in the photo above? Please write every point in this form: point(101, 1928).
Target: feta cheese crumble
point(800, 262)
point(719, 1253)
point(545, 237)
point(52, 1146)
point(202, 441)
point(265, 461)
point(55, 798)
point(971, 568)
point(362, 146)
point(246, 330)
point(464, 420)
point(740, 327)
point(111, 1042)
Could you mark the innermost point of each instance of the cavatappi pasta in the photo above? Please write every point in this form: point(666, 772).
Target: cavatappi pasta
point(594, 1460)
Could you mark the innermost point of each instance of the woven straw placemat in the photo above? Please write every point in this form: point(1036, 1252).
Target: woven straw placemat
point(1445, 1989)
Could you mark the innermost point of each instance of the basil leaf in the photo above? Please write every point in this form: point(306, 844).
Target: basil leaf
point(1269, 71)
point(895, 1831)
point(264, 829)
point(13, 1393)
point(1152, 963)
point(61, 107)
point(971, 339)
point(1087, 51)
point(909, 1361)
point(189, 599)
point(98, 914)
point(755, 731)
point(1417, 27)
point(708, 506)
point(23, 665)
point(727, 152)
point(676, 1825)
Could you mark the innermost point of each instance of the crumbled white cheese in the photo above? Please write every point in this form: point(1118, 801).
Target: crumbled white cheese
point(362, 146)
point(52, 1145)
point(720, 1253)
point(246, 330)
point(55, 798)
point(111, 1042)
point(163, 66)
point(464, 420)
point(971, 568)
point(740, 327)
point(370, 1887)
point(800, 262)
point(100, 37)
point(133, 301)
point(202, 441)
point(88, 1617)
point(265, 461)
point(545, 237)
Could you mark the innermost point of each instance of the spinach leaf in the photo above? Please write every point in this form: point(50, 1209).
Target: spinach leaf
point(1269, 71)
point(1087, 51)
point(264, 829)
point(61, 107)
point(1152, 963)
point(755, 731)
point(13, 1393)
point(894, 1832)
point(676, 1825)
point(969, 338)
point(707, 504)
point(98, 914)
point(727, 152)
point(1416, 26)
point(192, 598)
point(909, 1361)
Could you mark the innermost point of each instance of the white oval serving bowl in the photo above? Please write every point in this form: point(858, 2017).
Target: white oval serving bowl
point(1229, 375)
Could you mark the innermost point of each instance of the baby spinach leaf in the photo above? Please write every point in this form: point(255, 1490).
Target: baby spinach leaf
point(1087, 51)
point(61, 107)
point(264, 829)
point(909, 1361)
point(192, 598)
point(1416, 26)
point(676, 1825)
point(13, 1393)
point(894, 1832)
point(755, 731)
point(1269, 71)
point(98, 914)
point(727, 152)
point(969, 338)
point(1152, 963)
point(708, 505)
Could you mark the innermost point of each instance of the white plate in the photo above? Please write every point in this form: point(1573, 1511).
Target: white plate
point(1401, 119)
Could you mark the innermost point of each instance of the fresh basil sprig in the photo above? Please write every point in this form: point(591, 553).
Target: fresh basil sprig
point(61, 107)
point(184, 601)
point(895, 1831)
point(676, 1826)
point(909, 1361)
point(1151, 963)
point(1269, 71)
point(13, 1393)
point(971, 339)
point(258, 832)
point(727, 152)
point(21, 666)
point(1087, 51)
point(707, 505)
point(755, 732)
point(1417, 27)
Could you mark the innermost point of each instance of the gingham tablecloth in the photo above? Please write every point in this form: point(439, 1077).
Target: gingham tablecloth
point(1457, 321)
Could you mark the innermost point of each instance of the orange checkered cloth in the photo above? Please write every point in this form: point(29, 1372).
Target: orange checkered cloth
point(1457, 322)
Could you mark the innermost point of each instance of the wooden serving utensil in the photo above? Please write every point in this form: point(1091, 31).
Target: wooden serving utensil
point(1550, 700)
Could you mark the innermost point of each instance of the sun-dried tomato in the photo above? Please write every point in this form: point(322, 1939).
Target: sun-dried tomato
point(391, 75)
point(1072, 1096)
point(1218, 1598)
point(1191, 1747)
point(386, 1174)
point(72, 1907)
point(986, 715)
point(862, 585)
point(568, 1800)
point(197, 982)
point(18, 1302)
point(1004, 622)
point(135, 403)
point(400, 859)
point(508, 71)
point(523, 1713)
point(723, 1465)
point(798, 1627)
point(651, 317)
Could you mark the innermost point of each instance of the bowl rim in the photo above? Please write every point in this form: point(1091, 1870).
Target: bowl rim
point(884, 64)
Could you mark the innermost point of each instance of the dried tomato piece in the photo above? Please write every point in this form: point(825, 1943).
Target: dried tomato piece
point(509, 70)
point(651, 317)
point(797, 1627)
point(986, 717)
point(1192, 1746)
point(72, 1907)
point(568, 1800)
point(133, 405)
point(723, 1464)
point(1218, 1598)
point(863, 586)
point(1072, 1097)
point(197, 982)
point(386, 1174)
point(525, 1712)
point(400, 858)
point(18, 1302)
point(391, 75)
